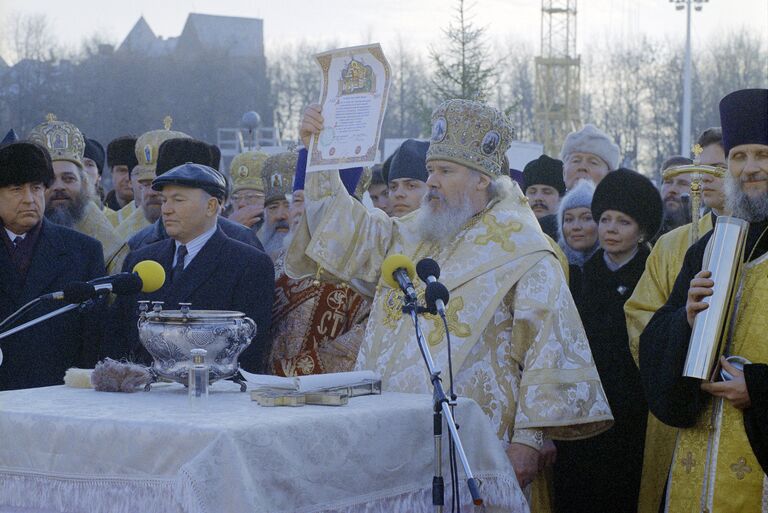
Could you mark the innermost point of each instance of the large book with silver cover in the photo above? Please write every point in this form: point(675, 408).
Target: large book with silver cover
point(723, 257)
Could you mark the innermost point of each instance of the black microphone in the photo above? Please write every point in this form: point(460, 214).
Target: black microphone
point(436, 296)
point(429, 272)
point(79, 291)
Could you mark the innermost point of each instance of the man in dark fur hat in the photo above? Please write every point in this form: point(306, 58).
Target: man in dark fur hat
point(38, 257)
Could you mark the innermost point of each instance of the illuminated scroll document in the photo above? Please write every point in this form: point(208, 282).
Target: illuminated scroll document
point(723, 257)
point(353, 99)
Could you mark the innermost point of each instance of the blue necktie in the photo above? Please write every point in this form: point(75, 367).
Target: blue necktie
point(181, 254)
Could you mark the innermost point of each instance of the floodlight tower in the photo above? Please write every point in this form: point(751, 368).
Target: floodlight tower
point(685, 133)
point(558, 75)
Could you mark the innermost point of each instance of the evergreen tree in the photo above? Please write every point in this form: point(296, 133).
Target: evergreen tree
point(462, 68)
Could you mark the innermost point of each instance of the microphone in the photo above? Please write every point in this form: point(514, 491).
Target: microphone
point(152, 275)
point(436, 297)
point(79, 291)
point(147, 276)
point(397, 271)
point(436, 294)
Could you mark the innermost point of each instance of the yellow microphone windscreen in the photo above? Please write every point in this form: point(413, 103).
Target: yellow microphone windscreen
point(394, 262)
point(151, 273)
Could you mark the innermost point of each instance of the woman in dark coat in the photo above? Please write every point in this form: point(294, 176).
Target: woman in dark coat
point(603, 473)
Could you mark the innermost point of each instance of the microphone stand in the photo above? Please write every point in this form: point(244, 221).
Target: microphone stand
point(441, 408)
point(38, 320)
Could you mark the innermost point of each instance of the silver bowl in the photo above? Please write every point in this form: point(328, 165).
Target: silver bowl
point(170, 335)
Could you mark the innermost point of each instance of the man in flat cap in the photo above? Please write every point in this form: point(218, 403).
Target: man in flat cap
point(173, 153)
point(406, 177)
point(69, 200)
point(588, 153)
point(203, 266)
point(277, 175)
point(247, 197)
point(38, 257)
point(519, 348)
point(121, 159)
point(544, 187)
point(714, 468)
point(147, 149)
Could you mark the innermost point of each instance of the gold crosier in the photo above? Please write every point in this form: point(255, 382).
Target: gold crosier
point(697, 171)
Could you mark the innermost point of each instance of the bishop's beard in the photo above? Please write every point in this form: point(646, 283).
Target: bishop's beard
point(441, 223)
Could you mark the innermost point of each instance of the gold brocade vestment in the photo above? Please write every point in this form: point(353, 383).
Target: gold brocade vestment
point(714, 468)
point(651, 293)
point(117, 217)
point(132, 224)
point(95, 224)
point(519, 349)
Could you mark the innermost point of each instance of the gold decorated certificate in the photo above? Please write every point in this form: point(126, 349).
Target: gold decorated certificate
point(353, 99)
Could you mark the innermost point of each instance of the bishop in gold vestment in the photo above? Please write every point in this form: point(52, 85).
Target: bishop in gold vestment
point(518, 346)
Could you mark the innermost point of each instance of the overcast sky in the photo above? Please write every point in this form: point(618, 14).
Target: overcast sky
point(417, 22)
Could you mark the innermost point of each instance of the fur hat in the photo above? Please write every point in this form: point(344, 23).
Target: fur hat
point(592, 140)
point(25, 162)
point(744, 118)
point(120, 152)
point(545, 171)
point(633, 194)
point(175, 152)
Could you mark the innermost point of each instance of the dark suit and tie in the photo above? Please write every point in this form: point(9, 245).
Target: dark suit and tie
point(38, 257)
point(223, 274)
point(40, 355)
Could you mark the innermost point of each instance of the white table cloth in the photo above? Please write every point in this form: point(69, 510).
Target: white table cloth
point(77, 450)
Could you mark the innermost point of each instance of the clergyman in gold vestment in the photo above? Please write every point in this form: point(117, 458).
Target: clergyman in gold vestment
point(518, 346)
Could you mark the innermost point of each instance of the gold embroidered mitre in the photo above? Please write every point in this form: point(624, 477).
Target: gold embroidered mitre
point(471, 134)
point(245, 172)
point(147, 147)
point(62, 140)
point(277, 173)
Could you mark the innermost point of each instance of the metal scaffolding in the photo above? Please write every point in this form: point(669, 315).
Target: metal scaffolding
point(558, 75)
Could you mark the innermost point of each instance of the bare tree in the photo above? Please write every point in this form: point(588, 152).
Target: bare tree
point(515, 89)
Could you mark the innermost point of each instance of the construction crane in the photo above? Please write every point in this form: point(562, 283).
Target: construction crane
point(558, 75)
